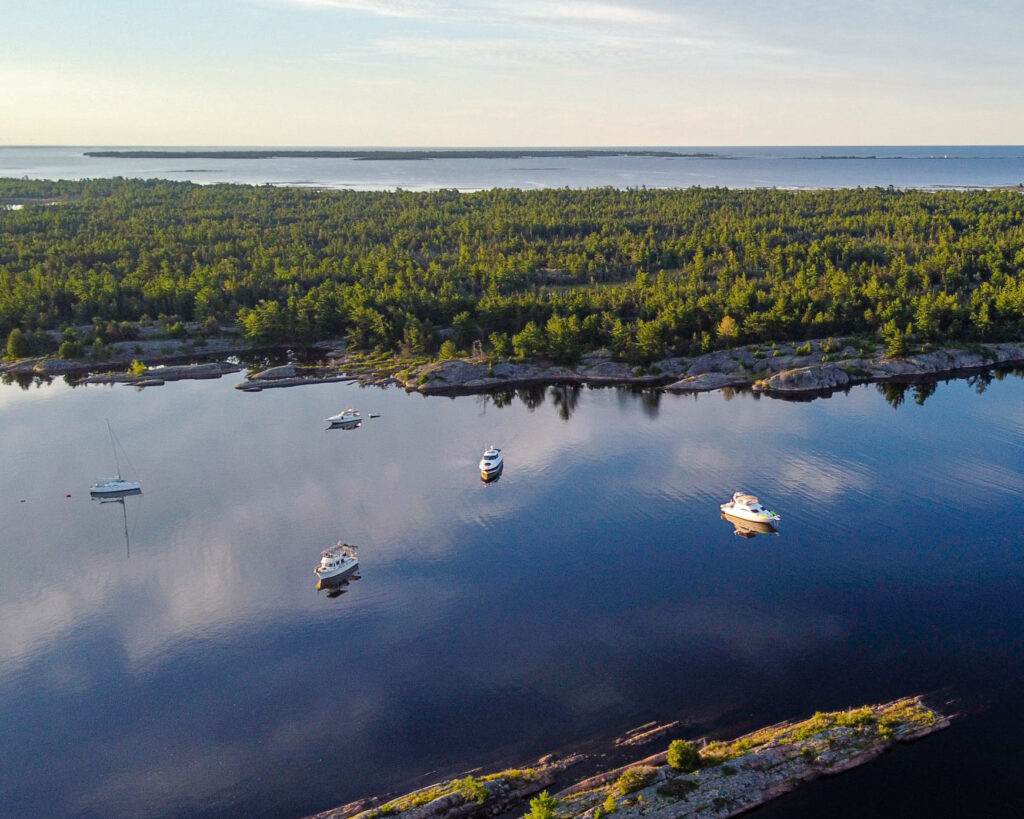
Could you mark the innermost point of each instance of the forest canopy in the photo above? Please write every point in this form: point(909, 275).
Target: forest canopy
point(550, 272)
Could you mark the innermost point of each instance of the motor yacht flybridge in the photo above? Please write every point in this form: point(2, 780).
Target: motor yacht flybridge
point(491, 463)
point(748, 507)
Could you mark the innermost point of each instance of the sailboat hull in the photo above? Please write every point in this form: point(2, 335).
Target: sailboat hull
point(115, 489)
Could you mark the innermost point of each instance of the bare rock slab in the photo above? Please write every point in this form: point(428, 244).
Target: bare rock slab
point(705, 382)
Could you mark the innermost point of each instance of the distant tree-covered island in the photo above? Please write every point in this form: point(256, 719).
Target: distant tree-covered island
point(508, 273)
point(386, 155)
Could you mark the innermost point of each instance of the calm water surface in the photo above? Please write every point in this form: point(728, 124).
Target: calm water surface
point(930, 166)
point(192, 669)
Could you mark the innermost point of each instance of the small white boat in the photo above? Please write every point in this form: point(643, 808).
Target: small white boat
point(748, 507)
point(491, 463)
point(337, 563)
point(116, 486)
point(349, 416)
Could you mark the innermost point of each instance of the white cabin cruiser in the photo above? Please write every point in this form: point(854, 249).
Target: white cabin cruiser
point(349, 416)
point(491, 463)
point(337, 563)
point(748, 507)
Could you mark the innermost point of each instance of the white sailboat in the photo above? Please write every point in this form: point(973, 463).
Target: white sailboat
point(115, 486)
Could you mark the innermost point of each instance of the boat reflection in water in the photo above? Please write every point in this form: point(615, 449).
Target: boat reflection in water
point(355, 424)
point(335, 586)
point(749, 528)
point(118, 498)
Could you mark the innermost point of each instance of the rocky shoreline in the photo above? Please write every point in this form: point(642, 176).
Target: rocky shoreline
point(702, 779)
point(814, 368)
point(780, 371)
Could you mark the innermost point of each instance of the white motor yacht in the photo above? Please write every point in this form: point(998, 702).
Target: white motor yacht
point(337, 563)
point(349, 416)
point(748, 507)
point(491, 463)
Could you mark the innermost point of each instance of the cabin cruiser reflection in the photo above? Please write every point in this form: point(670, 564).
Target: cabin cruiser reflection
point(337, 563)
point(748, 528)
point(347, 418)
point(491, 464)
point(748, 507)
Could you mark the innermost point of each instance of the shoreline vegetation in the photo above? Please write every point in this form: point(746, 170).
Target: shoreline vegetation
point(686, 779)
point(787, 291)
point(397, 154)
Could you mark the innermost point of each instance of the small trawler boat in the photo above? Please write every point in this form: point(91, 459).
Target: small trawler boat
point(337, 563)
point(748, 507)
point(491, 463)
point(348, 417)
point(117, 486)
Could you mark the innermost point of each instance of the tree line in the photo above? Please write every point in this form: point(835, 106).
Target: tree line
point(554, 273)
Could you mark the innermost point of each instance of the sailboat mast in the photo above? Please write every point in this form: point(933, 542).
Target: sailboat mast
point(113, 446)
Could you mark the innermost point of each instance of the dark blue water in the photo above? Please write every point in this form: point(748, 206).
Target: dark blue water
point(193, 669)
point(932, 166)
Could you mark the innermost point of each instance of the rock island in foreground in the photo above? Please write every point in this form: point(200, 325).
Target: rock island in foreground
point(709, 779)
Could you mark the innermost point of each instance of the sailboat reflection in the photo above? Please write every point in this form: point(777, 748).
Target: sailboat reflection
point(124, 514)
point(749, 528)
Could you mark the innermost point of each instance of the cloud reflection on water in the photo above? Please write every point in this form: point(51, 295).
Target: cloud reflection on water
point(571, 595)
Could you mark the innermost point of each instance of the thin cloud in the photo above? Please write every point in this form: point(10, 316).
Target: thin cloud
point(499, 11)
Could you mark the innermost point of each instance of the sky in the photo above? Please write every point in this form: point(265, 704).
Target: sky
point(490, 73)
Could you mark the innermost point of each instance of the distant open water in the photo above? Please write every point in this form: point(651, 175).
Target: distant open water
point(926, 167)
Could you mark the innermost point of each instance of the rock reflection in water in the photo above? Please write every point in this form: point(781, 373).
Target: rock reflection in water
point(748, 528)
